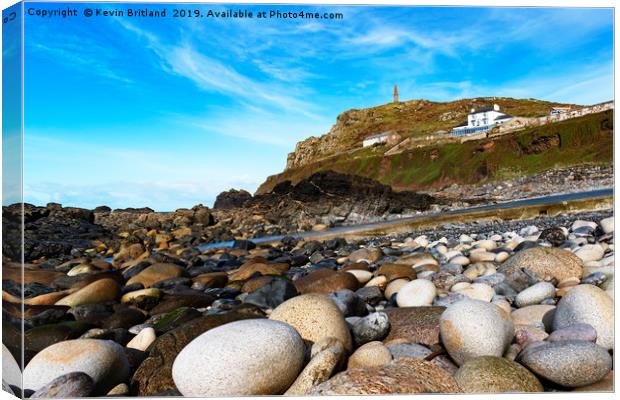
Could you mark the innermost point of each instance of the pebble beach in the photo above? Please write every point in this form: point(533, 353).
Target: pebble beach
point(489, 307)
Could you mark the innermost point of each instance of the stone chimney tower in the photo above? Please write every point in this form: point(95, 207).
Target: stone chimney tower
point(395, 94)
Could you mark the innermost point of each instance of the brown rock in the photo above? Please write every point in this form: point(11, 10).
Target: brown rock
point(130, 252)
point(103, 265)
point(256, 259)
point(162, 238)
point(417, 259)
point(258, 252)
point(569, 282)
point(15, 309)
point(136, 296)
point(135, 250)
point(371, 354)
point(250, 268)
point(402, 376)
point(47, 299)
point(426, 267)
point(353, 266)
point(157, 272)
point(370, 255)
point(378, 281)
point(238, 252)
point(316, 275)
point(235, 285)
point(414, 325)
point(326, 281)
point(43, 277)
point(82, 280)
point(189, 298)
point(182, 232)
point(531, 330)
point(97, 292)
point(396, 271)
point(488, 374)
point(532, 315)
point(541, 263)
point(254, 284)
point(212, 279)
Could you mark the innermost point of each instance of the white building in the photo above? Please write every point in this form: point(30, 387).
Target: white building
point(481, 120)
point(556, 111)
point(389, 137)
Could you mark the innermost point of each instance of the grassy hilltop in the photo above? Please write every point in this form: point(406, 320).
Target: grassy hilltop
point(583, 140)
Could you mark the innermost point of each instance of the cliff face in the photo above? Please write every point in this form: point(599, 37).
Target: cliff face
point(330, 197)
point(586, 140)
point(409, 119)
point(350, 129)
point(310, 149)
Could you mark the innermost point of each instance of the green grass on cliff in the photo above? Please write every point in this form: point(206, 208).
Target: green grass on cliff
point(584, 140)
point(420, 117)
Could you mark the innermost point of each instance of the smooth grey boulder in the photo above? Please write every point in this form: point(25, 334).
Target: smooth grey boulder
point(241, 358)
point(569, 363)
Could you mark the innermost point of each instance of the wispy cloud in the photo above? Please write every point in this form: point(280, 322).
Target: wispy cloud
point(201, 106)
point(553, 28)
point(282, 70)
point(80, 54)
point(211, 74)
point(388, 37)
point(585, 86)
point(259, 125)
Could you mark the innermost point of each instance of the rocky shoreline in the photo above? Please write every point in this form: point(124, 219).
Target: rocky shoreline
point(127, 299)
point(325, 199)
point(562, 180)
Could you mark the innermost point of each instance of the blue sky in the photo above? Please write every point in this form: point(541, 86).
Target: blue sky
point(169, 112)
point(11, 106)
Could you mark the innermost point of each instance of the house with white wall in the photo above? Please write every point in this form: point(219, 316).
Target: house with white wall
point(481, 120)
point(389, 137)
point(556, 111)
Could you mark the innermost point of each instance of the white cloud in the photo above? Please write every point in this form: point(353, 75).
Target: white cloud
point(283, 70)
point(211, 74)
point(381, 36)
